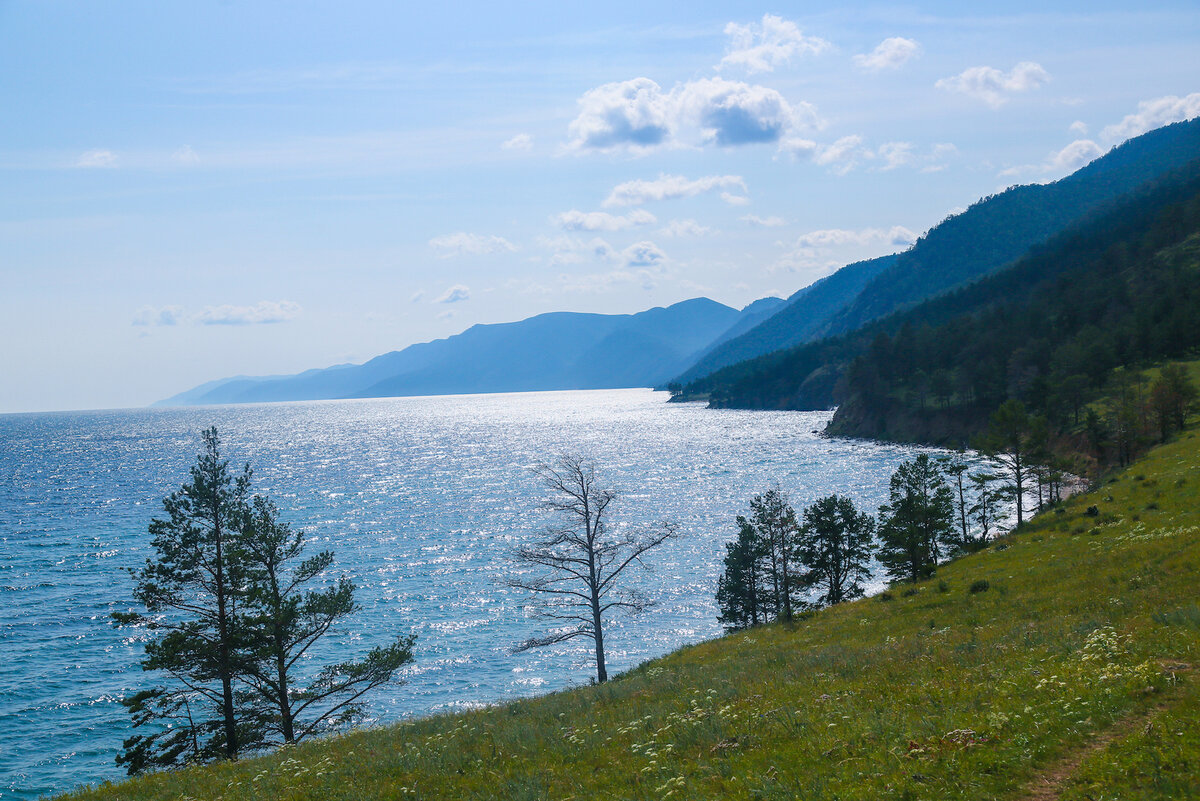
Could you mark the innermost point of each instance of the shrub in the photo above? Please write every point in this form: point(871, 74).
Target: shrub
point(1093, 511)
point(943, 586)
point(981, 585)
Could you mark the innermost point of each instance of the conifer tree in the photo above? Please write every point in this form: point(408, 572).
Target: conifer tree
point(916, 521)
point(285, 619)
point(233, 617)
point(192, 596)
point(741, 589)
point(835, 547)
point(774, 519)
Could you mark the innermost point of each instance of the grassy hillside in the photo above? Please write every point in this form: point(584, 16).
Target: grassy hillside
point(1072, 675)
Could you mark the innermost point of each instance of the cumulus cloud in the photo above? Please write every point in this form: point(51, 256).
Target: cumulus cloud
point(896, 154)
point(734, 113)
point(185, 156)
point(669, 187)
point(1069, 159)
point(262, 313)
point(896, 235)
point(519, 142)
point(574, 220)
point(848, 152)
point(761, 47)
point(635, 113)
point(994, 86)
point(890, 54)
point(454, 294)
point(1079, 127)
point(684, 228)
point(735, 200)
point(462, 243)
point(816, 252)
point(574, 250)
point(843, 155)
point(638, 115)
point(643, 254)
point(762, 222)
point(1153, 114)
point(165, 315)
point(96, 159)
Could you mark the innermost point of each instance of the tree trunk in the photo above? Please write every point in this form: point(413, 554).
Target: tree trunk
point(231, 743)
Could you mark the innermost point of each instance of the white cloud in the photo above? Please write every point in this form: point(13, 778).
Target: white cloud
point(97, 159)
point(732, 113)
point(1060, 162)
point(763, 222)
point(993, 86)
point(185, 156)
point(445, 315)
point(896, 235)
point(638, 115)
point(643, 254)
point(454, 294)
point(890, 54)
point(684, 228)
point(519, 142)
point(1079, 127)
point(896, 154)
point(633, 113)
point(263, 312)
point(848, 152)
point(573, 250)
point(764, 46)
point(1153, 114)
point(843, 155)
point(417, 296)
point(735, 200)
point(165, 315)
point(462, 243)
point(669, 187)
point(820, 252)
point(574, 220)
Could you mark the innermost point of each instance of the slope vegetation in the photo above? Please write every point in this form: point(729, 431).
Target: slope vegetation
point(1120, 288)
point(1075, 670)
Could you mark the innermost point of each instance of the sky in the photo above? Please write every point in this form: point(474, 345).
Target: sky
point(190, 191)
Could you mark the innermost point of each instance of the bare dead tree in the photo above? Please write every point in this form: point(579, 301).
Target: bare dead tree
point(578, 562)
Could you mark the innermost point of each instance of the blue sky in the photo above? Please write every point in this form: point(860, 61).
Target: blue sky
point(192, 191)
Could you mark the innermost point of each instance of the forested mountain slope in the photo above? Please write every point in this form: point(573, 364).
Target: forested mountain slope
point(1119, 288)
point(990, 234)
point(803, 314)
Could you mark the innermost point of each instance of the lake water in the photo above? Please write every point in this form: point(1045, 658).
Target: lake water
point(422, 500)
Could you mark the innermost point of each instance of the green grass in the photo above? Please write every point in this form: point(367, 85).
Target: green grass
point(943, 694)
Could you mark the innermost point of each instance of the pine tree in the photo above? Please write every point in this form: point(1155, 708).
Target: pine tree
point(916, 521)
point(774, 519)
point(835, 547)
point(234, 619)
point(192, 596)
point(285, 619)
point(740, 590)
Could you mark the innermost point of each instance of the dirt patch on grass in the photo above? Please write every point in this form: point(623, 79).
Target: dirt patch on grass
point(1050, 783)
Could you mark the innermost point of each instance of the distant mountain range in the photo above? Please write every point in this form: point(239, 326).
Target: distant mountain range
point(560, 350)
point(697, 341)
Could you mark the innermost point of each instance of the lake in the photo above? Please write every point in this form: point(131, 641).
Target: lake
point(423, 501)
